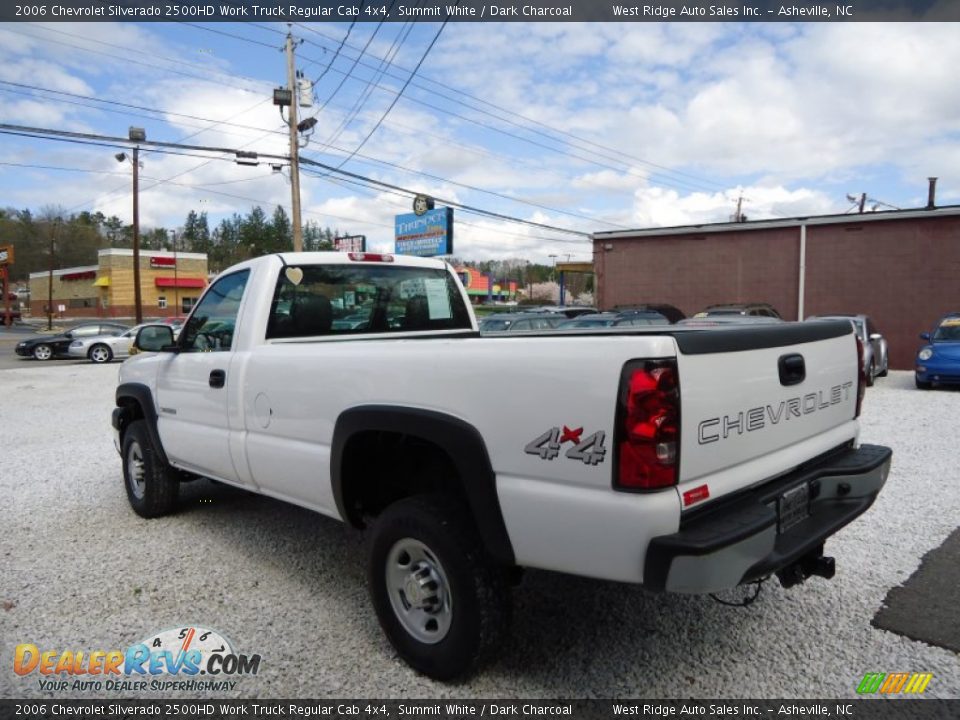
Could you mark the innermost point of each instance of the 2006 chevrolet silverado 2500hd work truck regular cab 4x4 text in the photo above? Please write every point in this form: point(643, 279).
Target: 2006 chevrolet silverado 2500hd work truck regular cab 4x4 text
point(687, 460)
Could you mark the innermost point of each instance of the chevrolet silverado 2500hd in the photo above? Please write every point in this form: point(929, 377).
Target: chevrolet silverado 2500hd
point(688, 460)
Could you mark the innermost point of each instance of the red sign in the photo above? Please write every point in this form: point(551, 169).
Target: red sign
point(87, 275)
point(164, 282)
point(163, 262)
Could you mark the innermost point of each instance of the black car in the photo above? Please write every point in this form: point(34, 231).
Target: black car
point(44, 347)
point(672, 313)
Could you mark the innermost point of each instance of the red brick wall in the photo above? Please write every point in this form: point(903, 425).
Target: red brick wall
point(693, 271)
point(904, 273)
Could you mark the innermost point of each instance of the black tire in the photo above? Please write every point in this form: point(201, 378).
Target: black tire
point(921, 385)
point(97, 354)
point(871, 374)
point(42, 352)
point(476, 606)
point(156, 493)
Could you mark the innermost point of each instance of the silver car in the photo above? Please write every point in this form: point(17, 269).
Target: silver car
point(875, 360)
point(104, 348)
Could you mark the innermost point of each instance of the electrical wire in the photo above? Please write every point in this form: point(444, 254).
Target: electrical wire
point(510, 115)
point(157, 146)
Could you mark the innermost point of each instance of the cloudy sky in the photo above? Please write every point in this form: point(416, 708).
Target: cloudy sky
point(580, 127)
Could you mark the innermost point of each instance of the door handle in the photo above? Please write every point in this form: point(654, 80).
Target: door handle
point(218, 378)
point(793, 369)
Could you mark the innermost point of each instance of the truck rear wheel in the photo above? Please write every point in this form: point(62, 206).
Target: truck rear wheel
point(152, 485)
point(441, 602)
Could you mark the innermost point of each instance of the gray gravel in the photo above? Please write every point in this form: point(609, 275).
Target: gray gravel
point(83, 572)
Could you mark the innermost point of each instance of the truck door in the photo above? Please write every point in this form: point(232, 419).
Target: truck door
point(194, 385)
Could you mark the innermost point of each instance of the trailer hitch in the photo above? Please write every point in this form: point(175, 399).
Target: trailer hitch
point(814, 563)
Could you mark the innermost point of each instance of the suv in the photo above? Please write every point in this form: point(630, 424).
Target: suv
point(749, 309)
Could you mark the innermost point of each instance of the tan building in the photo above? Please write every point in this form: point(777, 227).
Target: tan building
point(170, 284)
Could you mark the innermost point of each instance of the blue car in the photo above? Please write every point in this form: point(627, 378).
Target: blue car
point(939, 360)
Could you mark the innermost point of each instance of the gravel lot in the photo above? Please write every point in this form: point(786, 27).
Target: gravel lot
point(82, 572)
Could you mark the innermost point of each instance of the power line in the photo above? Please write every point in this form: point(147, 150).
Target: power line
point(400, 94)
point(371, 159)
point(616, 153)
point(172, 148)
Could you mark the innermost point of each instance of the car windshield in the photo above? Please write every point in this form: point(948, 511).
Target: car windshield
point(949, 331)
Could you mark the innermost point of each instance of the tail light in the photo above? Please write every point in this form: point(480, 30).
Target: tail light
point(370, 257)
point(647, 434)
point(861, 377)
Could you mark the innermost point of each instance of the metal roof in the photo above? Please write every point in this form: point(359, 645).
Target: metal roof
point(913, 214)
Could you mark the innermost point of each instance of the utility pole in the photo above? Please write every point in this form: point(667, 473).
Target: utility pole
point(53, 240)
point(294, 148)
point(137, 300)
point(863, 200)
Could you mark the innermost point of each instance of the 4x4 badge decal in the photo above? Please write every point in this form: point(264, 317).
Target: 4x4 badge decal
point(547, 446)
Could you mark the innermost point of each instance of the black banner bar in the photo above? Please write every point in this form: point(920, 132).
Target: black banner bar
point(913, 709)
point(481, 11)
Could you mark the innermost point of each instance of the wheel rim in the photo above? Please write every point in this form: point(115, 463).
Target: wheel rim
point(419, 591)
point(99, 354)
point(136, 471)
point(42, 352)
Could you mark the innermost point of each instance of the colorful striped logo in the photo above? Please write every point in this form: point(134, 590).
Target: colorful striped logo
point(892, 683)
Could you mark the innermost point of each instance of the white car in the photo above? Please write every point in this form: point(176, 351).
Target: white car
point(104, 348)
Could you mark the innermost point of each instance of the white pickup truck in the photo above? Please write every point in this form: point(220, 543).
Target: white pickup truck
point(357, 385)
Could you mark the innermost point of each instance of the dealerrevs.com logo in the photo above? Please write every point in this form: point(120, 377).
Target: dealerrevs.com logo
point(186, 658)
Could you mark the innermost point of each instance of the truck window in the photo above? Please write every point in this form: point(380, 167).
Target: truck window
point(364, 299)
point(211, 326)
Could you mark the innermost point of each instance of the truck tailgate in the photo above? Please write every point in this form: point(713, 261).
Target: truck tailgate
point(755, 404)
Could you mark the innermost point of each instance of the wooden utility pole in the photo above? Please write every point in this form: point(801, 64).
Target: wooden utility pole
point(137, 300)
point(294, 149)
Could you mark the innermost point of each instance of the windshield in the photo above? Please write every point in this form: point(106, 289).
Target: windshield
point(949, 331)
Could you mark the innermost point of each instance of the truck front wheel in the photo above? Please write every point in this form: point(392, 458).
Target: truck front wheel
point(152, 485)
point(441, 602)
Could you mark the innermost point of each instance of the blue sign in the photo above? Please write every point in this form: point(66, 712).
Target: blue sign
point(425, 235)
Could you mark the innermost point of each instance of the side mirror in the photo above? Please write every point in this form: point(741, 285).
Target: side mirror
point(155, 338)
point(925, 336)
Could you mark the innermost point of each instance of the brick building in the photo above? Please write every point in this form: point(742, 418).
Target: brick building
point(169, 285)
point(900, 267)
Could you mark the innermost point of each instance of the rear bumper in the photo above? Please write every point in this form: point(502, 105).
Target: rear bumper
point(738, 540)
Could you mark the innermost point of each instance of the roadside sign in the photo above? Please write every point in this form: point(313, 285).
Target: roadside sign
point(6, 254)
point(425, 235)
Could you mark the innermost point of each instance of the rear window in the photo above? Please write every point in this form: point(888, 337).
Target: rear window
point(317, 300)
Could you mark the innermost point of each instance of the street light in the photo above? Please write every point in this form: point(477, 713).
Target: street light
point(136, 135)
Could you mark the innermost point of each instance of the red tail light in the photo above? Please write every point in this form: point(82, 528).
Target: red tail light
point(861, 377)
point(647, 435)
point(370, 257)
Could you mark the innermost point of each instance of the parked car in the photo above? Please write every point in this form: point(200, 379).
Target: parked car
point(727, 321)
point(939, 360)
point(875, 360)
point(628, 319)
point(104, 348)
point(44, 347)
point(569, 311)
point(747, 309)
point(671, 312)
point(520, 322)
